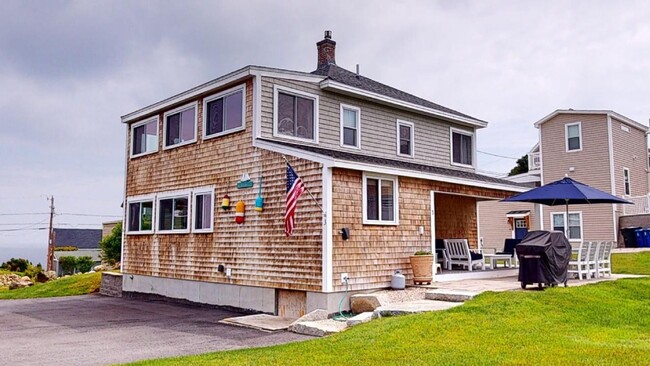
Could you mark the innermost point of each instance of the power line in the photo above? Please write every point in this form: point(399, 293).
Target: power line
point(24, 229)
point(497, 155)
point(87, 215)
point(24, 214)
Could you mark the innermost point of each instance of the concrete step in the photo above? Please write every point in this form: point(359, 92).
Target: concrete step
point(412, 307)
point(441, 294)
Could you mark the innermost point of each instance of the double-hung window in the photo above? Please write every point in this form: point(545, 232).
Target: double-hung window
point(144, 137)
point(573, 133)
point(462, 147)
point(140, 216)
point(559, 222)
point(224, 112)
point(173, 213)
point(380, 201)
point(626, 181)
point(203, 211)
point(296, 115)
point(350, 126)
point(405, 137)
point(180, 126)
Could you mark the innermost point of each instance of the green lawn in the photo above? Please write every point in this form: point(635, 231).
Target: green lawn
point(602, 324)
point(73, 285)
point(631, 263)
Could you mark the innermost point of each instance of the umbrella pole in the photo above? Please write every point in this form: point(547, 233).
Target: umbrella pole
point(566, 229)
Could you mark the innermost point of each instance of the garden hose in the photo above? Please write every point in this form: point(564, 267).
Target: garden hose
point(342, 317)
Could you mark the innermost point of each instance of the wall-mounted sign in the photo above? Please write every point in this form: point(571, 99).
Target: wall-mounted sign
point(245, 182)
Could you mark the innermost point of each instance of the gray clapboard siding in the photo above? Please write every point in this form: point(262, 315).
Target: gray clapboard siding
point(378, 125)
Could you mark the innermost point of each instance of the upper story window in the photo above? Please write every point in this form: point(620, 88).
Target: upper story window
point(405, 138)
point(462, 147)
point(573, 136)
point(224, 112)
point(180, 126)
point(350, 126)
point(295, 115)
point(380, 205)
point(140, 216)
point(172, 213)
point(559, 222)
point(203, 211)
point(626, 181)
point(144, 137)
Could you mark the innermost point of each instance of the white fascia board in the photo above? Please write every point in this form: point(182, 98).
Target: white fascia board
point(427, 176)
point(299, 153)
point(608, 113)
point(286, 74)
point(189, 94)
point(350, 90)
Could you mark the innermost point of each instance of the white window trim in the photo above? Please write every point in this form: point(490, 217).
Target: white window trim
point(625, 128)
point(176, 194)
point(453, 130)
point(397, 137)
point(224, 94)
point(627, 184)
point(198, 192)
point(358, 110)
point(139, 199)
point(176, 110)
point(566, 223)
point(276, 90)
point(566, 135)
point(365, 195)
point(138, 124)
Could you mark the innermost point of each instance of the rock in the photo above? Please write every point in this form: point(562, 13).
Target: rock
point(318, 314)
point(359, 319)
point(51, 275)
point(42, 277)
point(101, 267)
point(20, 283)
point(319, 328)
point(450, 295)
point(361, 303)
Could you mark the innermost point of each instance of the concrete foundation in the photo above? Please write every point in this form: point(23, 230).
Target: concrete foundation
point(257, 299)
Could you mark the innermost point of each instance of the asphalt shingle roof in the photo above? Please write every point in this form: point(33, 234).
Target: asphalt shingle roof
point(343, 76)
point(344, 155)
point(80, 238)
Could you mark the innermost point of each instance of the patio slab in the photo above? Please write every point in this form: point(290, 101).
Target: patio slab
point(265, 322)
point(450, 295)
point(413, 307)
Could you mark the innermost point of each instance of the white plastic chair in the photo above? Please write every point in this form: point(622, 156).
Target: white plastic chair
point(458, 253)
point(605, 258)
point(592, 259)
point(579, 265)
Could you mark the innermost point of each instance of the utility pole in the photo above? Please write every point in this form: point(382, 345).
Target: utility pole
point(50, 240)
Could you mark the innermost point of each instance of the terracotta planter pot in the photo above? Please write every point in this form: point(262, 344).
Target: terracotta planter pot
point(422, 266)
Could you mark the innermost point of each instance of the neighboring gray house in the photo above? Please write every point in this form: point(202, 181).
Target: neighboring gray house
point(85, 240)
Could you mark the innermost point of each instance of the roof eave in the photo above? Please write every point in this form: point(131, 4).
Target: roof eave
point(616, 115)
point(334, 86)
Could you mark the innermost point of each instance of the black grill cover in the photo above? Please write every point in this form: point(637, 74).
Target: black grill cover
point(554, 251)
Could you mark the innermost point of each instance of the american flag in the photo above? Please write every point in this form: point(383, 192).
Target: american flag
point(295, 187)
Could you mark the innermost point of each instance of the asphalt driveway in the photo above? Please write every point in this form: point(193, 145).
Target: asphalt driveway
point(98, 330)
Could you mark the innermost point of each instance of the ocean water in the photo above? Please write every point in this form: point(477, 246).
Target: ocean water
point(33, 254)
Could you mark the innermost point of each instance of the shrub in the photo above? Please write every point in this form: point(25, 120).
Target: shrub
point(33, 271)
point(67, 264)
point(111, 245)
point(84, 264)
point(16, 265)
point(66, 249)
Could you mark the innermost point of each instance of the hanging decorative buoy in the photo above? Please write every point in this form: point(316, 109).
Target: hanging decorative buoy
point(240, 207)
point(259, 201)
point(225, 203)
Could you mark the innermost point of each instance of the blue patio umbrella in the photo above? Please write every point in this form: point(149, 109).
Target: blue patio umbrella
point(565, 192)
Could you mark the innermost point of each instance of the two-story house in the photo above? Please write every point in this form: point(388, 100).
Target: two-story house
point(394, 170)
point(601, 148)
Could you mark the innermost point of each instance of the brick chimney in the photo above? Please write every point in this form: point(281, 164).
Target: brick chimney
point(326, 51)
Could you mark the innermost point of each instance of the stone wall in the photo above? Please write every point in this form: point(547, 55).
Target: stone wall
point(111, 284)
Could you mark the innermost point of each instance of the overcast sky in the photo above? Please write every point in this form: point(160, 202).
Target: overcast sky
point(69, 70)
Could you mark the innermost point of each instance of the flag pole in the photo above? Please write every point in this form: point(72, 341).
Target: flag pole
point(307, 189)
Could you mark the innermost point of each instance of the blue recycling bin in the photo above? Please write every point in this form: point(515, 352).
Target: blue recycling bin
point(640, 237)
point(646, 238)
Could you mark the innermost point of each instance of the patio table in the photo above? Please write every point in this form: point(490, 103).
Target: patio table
point(493, 258)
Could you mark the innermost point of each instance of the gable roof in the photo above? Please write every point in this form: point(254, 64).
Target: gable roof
point(80, 238)
point(606, 112)
point(464, 176)
point(343, 76)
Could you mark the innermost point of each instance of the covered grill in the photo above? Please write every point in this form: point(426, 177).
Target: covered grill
point(543, 258)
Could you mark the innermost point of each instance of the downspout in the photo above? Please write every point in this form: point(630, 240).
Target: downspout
point(610, 150)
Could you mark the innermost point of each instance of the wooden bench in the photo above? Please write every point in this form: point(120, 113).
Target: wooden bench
point(458, 252)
